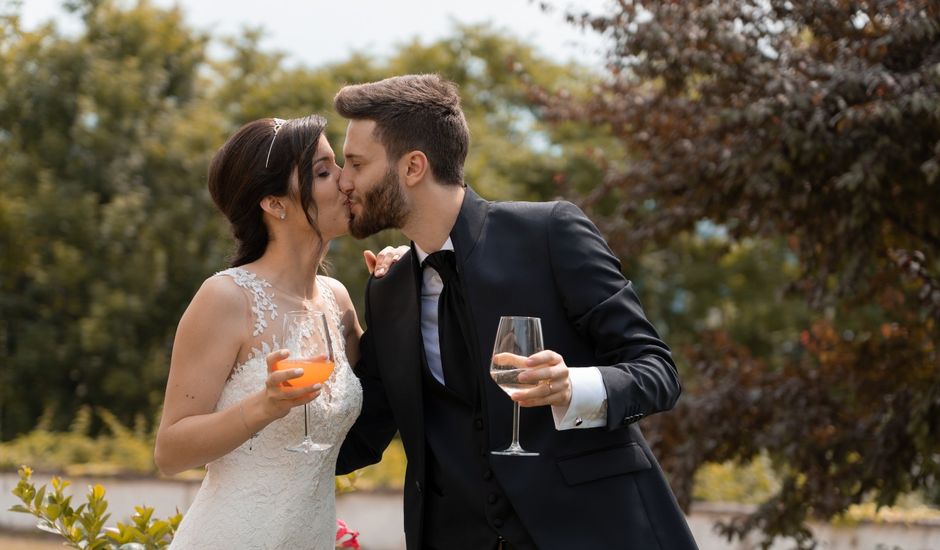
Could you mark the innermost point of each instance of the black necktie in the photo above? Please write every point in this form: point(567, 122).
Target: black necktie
point(454, 328)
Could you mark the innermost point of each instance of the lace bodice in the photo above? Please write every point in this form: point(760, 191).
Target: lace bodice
point(260, 495)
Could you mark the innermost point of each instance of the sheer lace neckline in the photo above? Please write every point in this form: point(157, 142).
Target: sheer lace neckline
point(264, 309)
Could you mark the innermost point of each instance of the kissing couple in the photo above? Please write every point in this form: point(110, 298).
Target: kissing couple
point(422, 366)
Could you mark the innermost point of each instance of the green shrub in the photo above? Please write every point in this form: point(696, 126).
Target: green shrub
point(750, 483)
point(83, 527)
point(389, 474)
point(118, 449)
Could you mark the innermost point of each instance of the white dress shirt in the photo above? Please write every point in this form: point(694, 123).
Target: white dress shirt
point(588, 406)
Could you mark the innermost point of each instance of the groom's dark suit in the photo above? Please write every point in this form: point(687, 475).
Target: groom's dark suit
point(588, 488)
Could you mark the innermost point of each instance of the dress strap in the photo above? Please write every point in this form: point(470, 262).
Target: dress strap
point(262, 304)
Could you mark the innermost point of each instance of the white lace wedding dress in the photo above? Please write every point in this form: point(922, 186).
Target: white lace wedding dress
point(261, 496)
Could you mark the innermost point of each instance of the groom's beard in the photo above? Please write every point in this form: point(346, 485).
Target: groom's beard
point(383, 207)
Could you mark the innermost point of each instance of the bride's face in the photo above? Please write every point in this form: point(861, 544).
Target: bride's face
point(331, 216)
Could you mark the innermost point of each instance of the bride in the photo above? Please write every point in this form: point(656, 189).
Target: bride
point(225, 406)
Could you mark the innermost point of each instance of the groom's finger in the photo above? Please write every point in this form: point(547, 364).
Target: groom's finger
point(541, 374)
point(549, 392)
point(541, 389)
point(551, 384)
point(528, 398)
point(544, 357)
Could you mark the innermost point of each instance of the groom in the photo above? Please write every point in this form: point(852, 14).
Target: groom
point(432, 321)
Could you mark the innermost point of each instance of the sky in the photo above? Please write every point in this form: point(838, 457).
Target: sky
point(316, 32)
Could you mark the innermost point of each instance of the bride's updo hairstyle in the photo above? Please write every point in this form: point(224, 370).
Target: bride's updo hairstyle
point(256, 162)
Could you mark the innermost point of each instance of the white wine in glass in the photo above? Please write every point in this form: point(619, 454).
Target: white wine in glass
point(516, 339)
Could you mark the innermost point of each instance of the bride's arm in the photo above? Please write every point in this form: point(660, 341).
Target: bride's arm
point(208, 339)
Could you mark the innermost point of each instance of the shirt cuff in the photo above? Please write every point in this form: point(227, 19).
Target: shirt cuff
point(588, 406)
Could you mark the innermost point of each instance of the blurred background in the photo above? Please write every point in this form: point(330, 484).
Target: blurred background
point(767, 172)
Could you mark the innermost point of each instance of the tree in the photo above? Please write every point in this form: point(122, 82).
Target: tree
point(106, 136)
point(815, 124)
point(106, 227)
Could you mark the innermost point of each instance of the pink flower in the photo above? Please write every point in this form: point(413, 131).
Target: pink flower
point(342, 530)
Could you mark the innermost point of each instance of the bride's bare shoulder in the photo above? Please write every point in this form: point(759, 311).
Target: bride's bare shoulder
point(221, 287)
point(343, 301)
point(220, 296)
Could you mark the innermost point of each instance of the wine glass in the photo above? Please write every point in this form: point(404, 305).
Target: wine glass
point(516, 339)
point(307, 338)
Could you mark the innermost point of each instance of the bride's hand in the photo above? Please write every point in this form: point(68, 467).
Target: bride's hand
point(279, 398)
point(379, 265)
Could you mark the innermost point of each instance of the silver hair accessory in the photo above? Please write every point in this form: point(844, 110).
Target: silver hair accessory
point(278, 122)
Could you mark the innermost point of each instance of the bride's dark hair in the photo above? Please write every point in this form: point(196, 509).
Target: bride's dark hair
point(239, 177)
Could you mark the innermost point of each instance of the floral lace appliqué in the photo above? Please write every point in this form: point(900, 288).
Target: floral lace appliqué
point(262, 303)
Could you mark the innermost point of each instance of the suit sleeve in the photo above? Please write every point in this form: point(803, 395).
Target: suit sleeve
point(636, 365)
point(375, 427)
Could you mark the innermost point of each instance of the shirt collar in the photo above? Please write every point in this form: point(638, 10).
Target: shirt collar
point(422, 255)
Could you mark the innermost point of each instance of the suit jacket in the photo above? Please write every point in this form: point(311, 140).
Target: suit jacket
point(597, 487)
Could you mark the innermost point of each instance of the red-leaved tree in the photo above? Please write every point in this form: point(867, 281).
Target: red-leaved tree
point(816, 122)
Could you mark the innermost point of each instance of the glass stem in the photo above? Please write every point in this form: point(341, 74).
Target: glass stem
point(305, 421)
point(515, 425)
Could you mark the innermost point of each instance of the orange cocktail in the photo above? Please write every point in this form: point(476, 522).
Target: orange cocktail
point(315, 371)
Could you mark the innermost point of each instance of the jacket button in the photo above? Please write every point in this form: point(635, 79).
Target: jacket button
point(488, 474)
point(478, 423)
point(497, 523)
point(492, 500)
point(418, 485)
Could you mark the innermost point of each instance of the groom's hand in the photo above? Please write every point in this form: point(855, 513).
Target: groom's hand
point(379, 265)
point(548, 370)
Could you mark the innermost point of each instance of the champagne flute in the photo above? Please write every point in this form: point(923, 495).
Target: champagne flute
point(307, 338)
point(516, 339)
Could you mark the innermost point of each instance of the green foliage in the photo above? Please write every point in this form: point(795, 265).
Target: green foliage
point(120, 449)
point(388, 474)
point(83, 526)
point(115, 450)
point(101, 156)
point(750, 483)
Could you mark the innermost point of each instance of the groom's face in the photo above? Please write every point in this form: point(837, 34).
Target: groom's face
point(376, 200)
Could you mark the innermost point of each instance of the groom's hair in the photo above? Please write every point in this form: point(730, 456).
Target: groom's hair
point(416, 112)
